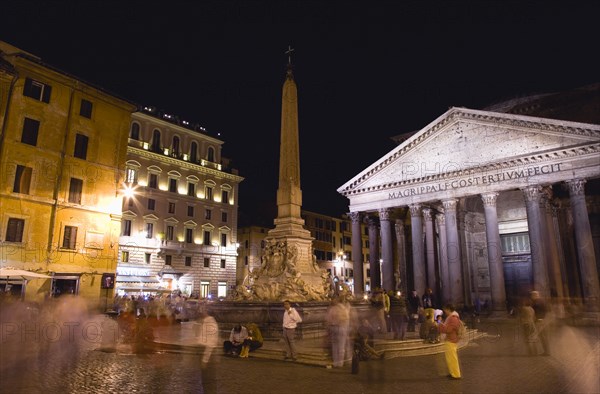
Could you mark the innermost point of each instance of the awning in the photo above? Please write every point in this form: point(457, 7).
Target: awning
point(136, 279)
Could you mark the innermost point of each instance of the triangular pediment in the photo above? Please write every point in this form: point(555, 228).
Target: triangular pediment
point(464, 141)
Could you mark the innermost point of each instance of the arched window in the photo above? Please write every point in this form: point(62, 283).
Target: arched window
point(135, 131)
point(156, 140)
point(194, 152)
point(211, 154)
point(175, 146)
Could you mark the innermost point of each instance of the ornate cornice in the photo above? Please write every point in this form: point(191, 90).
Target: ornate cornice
point(197, 168)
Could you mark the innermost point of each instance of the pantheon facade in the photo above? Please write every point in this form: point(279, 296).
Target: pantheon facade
point(484, 206)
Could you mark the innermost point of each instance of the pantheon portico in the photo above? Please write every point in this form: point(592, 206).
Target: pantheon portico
point(482, 206)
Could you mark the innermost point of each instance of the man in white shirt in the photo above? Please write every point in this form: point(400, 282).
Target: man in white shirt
point(291, 318)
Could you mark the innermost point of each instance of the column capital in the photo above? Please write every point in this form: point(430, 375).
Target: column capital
point(450, 204)
point(441, 219)
point(371, 221)
point(532, 193)
point(415, 209)
point(399, 223)
point(489, 199)
point(354, 217)
point(384, 214)
point(576, 187)
point(427, 214)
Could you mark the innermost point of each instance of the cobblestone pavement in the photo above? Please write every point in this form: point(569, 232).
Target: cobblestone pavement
point(495, 364)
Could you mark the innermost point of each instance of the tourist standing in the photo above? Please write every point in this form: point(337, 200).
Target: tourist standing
point(291, 318)
point(398, 316)
point(414, 304)
point(450, 328)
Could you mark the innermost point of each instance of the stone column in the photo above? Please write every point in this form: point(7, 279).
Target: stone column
point(554, 273)
point(585, 246)
point(401, 283)
point(453, 253)
point(429, 248)
point(357, 256)
point(374, 253)
point(494, 249)
point(561, 251)
point(444, 275)
point(416, 225)
point(536, 239)
point(387, 250)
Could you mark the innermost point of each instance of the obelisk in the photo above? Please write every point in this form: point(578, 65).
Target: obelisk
point(289, 269)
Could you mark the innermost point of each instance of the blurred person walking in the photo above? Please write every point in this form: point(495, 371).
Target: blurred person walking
point(338, 323)
point(450, 327)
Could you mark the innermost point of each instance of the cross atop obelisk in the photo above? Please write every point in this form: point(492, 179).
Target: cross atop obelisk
point(289, 53)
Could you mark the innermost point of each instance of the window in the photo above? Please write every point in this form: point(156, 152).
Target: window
point(224, 216)
point(175, 147)
point(31, 128)
point(224, 196)
point(81, 145)
point(188, 261)
point(85, 109)
point(222, 290)
point(245, 260)
point(22, 179)
point(37, 90)
point(173, 185)
point(75, 188)
point(151, 204)
point(149, 230)
point(189, 235)
point(124, 257)
point(171, 207)
point(168, 259)
point(156, 141)
point(206, 262)
point(222, 263)
point(211, 154)
point(191, 189)
point(131, 176)
point(135, 131)
point(14, 230)
point(170, 232)
point(190, 211)
point(208, 193)
point(207, 214)
point(127, 228)
point(69, 237)
point(206, 237)
point(153, 181)
point(147, 258)
point(223, 239)
point(194, 152)
point(204, 289)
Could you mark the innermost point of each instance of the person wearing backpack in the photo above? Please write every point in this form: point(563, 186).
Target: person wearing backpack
point(451, 327)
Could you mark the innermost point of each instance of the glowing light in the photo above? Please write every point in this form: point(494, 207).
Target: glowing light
point(128, 191)
point(145, 146)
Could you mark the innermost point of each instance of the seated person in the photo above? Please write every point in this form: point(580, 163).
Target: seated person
point(363, 343)
point(253, 341)
point(234, 345)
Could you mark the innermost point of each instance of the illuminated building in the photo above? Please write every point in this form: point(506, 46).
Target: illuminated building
point(491, 204)
point(63, 146)
point(179, 227)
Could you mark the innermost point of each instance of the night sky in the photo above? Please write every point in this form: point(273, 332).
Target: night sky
point(366, 71)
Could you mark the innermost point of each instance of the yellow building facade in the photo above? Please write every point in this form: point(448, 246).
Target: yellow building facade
point(63, 147)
